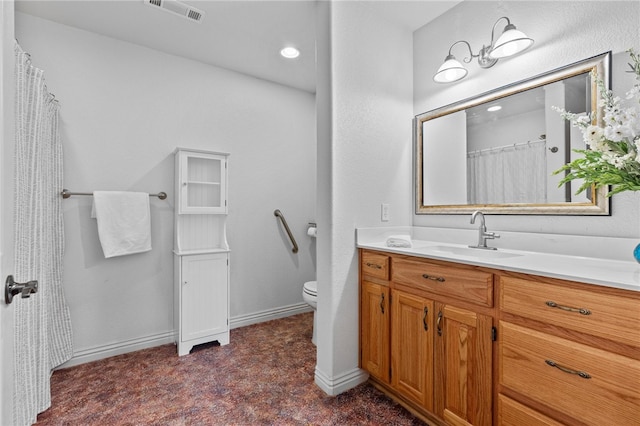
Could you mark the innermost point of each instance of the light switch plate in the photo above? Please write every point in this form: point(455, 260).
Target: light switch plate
point(384, 212)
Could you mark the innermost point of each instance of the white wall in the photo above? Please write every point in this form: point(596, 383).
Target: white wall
point(364, 159)
point(125, 109)
point(564, 32)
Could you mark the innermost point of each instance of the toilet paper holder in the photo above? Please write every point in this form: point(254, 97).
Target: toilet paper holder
point(312, 229)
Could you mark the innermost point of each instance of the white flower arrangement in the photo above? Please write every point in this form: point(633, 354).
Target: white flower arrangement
point(612, 156)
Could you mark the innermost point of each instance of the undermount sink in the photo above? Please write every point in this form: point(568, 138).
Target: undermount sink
point(474, 252)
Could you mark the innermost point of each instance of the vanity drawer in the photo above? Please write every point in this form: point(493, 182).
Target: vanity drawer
point(375, 265)
point(608, 316)
point(609, 396)
point(512, 413)
point(460, 283)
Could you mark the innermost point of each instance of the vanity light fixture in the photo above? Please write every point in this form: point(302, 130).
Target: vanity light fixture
point(510, 42)
point(290, 52)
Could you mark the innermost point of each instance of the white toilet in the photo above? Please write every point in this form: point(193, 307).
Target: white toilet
point(310, 296)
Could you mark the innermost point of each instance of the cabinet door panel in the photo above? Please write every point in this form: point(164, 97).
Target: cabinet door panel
point(412, 348)
point(202, 183)
point(204, 295)
point(374, 325)
point(463, 366)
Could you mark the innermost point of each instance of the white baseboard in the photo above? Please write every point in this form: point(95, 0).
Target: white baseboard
point(333, 386)
point(105, 351)
point(268, 315)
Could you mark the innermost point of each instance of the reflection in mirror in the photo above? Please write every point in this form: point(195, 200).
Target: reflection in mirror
point(498, 151)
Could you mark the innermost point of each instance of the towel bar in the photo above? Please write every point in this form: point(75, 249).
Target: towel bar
point(66, 194)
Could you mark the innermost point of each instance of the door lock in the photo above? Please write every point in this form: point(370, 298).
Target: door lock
point(12, 288)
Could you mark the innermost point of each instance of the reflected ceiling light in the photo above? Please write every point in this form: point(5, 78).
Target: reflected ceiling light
point(494, 108)
point(510, 42)
point(290, 52)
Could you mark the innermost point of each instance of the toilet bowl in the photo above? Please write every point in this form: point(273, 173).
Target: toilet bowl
point(310, 296)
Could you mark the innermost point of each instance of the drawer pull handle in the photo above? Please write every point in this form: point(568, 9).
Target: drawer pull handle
point(438, 323)
point(424, 319)
point(433, 277)
point(568, 370)
point(373, 265)
point(382, 302)
point(582, 311)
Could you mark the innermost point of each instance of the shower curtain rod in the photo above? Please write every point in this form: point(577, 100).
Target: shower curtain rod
point(66, 194)
point(504, 147)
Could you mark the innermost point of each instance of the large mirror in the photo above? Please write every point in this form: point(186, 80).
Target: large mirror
point(497, 152)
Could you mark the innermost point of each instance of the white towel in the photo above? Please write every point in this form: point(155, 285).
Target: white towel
point(399, 241)
point(124, 222)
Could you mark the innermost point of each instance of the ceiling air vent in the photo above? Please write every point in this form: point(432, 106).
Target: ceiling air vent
point(177, 8)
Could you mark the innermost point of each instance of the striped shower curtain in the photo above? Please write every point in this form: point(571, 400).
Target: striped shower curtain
point(508, 174)
point(42, 324)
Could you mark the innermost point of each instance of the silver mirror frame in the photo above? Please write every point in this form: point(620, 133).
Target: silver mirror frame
point(600, 64)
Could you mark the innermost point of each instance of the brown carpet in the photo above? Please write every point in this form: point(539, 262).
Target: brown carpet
point(263, 377)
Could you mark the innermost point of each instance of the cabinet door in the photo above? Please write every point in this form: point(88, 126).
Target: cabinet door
point(374, 330)
point(463, 366)
point(204, 290)
point(202, 185)
point(412, 347)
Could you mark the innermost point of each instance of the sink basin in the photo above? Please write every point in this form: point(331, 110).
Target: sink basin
point(473, 252)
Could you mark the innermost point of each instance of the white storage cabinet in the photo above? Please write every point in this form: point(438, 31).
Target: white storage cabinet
point(201, 252)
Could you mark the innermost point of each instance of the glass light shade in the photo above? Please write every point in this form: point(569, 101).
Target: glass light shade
point(451, 70)
point(511, 42)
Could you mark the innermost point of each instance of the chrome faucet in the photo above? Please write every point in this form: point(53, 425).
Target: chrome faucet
point(483, 235)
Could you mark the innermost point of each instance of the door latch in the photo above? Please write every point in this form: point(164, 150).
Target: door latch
point(12, 288)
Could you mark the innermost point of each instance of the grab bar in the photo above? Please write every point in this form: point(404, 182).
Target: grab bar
point(279, 214)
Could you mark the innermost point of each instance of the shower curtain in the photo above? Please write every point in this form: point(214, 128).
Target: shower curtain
point(509, 174)
point(42, 324)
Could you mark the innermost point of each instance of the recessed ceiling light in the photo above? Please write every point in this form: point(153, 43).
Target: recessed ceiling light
point(494, 108)
point(290, 52)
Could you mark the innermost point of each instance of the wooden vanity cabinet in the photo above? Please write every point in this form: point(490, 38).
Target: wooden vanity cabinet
point(569, 353)
point(375, 315)
point(440, 329)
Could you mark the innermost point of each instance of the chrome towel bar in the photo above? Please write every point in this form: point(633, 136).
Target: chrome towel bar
point(66, 194)
point(279, 215)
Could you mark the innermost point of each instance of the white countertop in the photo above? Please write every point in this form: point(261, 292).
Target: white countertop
point(623, 274)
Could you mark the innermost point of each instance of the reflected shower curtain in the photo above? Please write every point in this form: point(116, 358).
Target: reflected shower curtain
point(42, 324)
point(510, 174)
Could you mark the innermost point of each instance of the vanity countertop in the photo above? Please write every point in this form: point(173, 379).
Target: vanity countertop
point(605, 272)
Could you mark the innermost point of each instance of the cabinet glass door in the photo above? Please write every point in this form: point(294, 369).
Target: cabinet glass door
point(203, 183)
